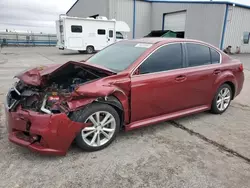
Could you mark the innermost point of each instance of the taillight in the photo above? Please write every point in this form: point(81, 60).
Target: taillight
point(241, 68)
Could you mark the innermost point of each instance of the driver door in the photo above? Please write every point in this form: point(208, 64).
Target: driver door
point(157, 85)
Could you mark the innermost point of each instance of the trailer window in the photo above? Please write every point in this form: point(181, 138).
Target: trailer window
point(76, 29)
point(101, 32)
point(246, 36)
point(111, 34)
point(61, 28)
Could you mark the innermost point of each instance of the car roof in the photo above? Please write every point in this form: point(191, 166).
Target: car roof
point(154, 40)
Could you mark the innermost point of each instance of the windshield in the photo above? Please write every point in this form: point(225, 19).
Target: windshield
point(119, 56)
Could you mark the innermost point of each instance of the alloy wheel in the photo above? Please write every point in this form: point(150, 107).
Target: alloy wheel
point(223, 99)
point(101, 130)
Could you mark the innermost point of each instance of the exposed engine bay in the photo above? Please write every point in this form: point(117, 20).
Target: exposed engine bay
point(52, 96)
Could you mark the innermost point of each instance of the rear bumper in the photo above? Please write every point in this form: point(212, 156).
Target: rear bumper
point(43, 133)
point(240, 82)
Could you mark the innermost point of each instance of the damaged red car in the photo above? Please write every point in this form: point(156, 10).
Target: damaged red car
point(127, 85)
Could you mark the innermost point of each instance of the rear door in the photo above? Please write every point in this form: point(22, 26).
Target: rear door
point(175, 21)
point(75, 37)
point(203, 67)
point(102, 38)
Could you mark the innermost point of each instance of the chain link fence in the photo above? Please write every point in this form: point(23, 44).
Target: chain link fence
point(27, 39)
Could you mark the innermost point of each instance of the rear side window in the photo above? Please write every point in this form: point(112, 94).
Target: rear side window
point(101, 32)
point(168, 57)
point(198, 55)
point(215, 56)
point(76, 29)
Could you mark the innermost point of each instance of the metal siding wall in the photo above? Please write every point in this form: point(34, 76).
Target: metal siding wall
point(122, 10)
point(143, 18)
point(237, 23)
point(85, 8)
point(204, 21)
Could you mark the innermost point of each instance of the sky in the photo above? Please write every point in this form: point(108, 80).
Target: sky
point(40, 15)
point(32, 15)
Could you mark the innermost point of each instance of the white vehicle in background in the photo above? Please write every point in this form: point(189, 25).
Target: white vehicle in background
point(89, 34)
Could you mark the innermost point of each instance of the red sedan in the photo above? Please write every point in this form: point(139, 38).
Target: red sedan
point(127, 85)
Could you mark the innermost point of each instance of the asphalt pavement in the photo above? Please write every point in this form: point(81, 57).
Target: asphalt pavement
point(202, 150)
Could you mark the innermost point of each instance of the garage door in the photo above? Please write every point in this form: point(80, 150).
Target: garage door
point(175, 21)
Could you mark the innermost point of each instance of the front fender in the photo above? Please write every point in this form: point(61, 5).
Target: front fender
point(93, 91)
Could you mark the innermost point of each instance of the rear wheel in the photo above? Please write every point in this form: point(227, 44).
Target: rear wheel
point(90, 49)
point(222, 99)
point(104, 125)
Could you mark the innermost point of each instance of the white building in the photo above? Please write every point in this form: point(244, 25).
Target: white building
point(220, 23)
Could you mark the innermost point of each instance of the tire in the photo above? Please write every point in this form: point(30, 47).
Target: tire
point(220, 107)
point(105, 133)
point(90, 50)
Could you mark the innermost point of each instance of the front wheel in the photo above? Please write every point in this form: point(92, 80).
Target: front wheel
point(104, 125)
point(222, 99)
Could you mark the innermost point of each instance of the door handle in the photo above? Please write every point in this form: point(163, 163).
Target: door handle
point(180, 78)
point(217, 71)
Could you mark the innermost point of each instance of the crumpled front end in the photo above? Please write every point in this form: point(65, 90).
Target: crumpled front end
point(38, 108)
point(44, 133)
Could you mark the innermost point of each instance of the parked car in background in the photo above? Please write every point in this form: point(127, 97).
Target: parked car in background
point(128, 85)
point(89, 34)
point(166, 34)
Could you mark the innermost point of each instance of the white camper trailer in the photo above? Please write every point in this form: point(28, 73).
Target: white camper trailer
point(89, 34)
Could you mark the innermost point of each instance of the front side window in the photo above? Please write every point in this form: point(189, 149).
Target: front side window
point(246, 36)
point(119, 35)
point(168, 57)
point(76, 29)
point(198, 55)
point(215, 56)
point(101, 32)
point(119, 56)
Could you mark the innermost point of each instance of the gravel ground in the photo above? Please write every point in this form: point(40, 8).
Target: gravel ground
point(202, 150)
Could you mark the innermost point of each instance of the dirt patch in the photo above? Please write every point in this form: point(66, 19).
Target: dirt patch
point(3, 61)
point(9, 54)
point(3, 130)
point(214, 143)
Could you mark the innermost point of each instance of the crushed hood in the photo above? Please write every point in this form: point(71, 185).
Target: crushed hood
point(35, 75)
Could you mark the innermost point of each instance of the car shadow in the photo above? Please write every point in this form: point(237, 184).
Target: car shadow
point(123, 136)
point(73, 53)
